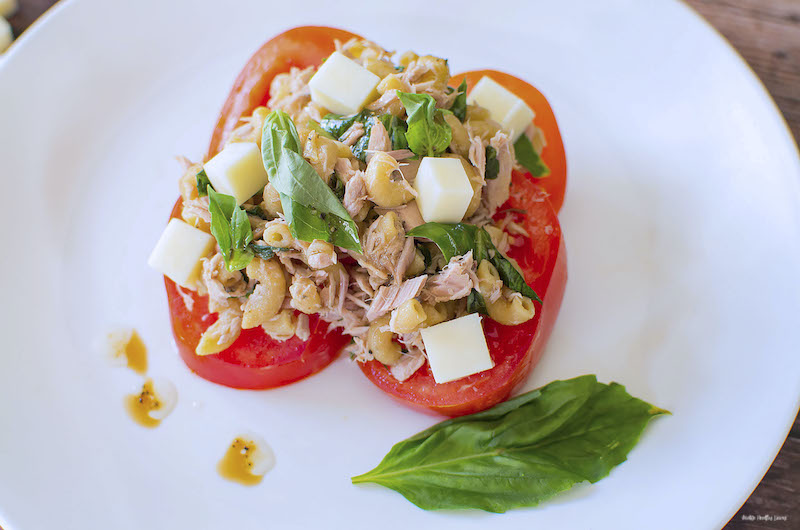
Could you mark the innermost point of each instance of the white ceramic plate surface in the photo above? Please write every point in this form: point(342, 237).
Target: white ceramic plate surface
point(682, 223)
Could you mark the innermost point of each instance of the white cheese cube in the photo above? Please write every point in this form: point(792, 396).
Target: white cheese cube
point(6, 35)
point(503, 105)
point(457, 348)
point(178, 252)
point(443, 190)
point(7, 8)
point(237, 170)
point(343, 86)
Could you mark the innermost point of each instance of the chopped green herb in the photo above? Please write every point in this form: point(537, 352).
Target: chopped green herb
point(492, 164)
point(265, 251)
point(337, 125)
point(202, 183)
point(476, 303)
point(459, 107)
point(528, 158)
point(337, 186)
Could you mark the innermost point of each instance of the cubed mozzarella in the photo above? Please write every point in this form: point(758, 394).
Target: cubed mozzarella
point(443, 190)
point(179, 250)
point(238, 170)
point(8, 8)
point(6, 35)
point(343, 86)
point(503, 105)
point(457, 348)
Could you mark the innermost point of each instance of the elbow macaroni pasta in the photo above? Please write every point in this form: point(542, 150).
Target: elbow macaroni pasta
point(305, 295)
point(321, 254)
point(385, 184)
point(272, 201)
point(282, 326)
point(408, 317)
point(277, 234)
point(380, 343)
point(267, 298)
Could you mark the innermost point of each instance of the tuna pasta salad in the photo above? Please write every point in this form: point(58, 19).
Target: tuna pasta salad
point(370, 203)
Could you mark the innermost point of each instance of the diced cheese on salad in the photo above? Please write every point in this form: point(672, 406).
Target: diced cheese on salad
point(238, 171)
point(457, 348)
point(342, 86)
point(503, 105)
point(443, 190)
point(178, 252)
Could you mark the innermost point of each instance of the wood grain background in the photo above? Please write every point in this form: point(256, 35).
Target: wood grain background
point(767, 34)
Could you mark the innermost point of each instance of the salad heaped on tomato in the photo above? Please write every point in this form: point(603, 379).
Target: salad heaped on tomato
point(349, 197)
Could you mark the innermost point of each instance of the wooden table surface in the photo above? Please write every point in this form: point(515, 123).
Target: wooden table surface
point(767, 34)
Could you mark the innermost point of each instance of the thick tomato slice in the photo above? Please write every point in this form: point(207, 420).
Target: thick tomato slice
point(255, 360)
point(514, 349)
point(553, 155)
point(301, 47)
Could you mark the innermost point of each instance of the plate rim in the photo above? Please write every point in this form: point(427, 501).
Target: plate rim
point(51, 14)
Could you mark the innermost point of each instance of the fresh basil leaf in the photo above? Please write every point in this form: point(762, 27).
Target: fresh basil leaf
point(202, 183)
point(492, 164)
point(520, 452)
point(304, 196)
point(265, 251)
point(476, 303)
point(528, 158)
point(452, 239)
point(428, 134)
point(306, 224)
point(242, 233)
point(512, 278)
point(458, 239)
point(459, 108)
point(231, 228)
point(343, 233)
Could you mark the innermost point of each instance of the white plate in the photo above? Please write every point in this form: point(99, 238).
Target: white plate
point(682, 222)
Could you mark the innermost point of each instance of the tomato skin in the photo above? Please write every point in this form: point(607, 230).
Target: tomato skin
point(300, 47)
point(514, 349)
point(553, 154)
